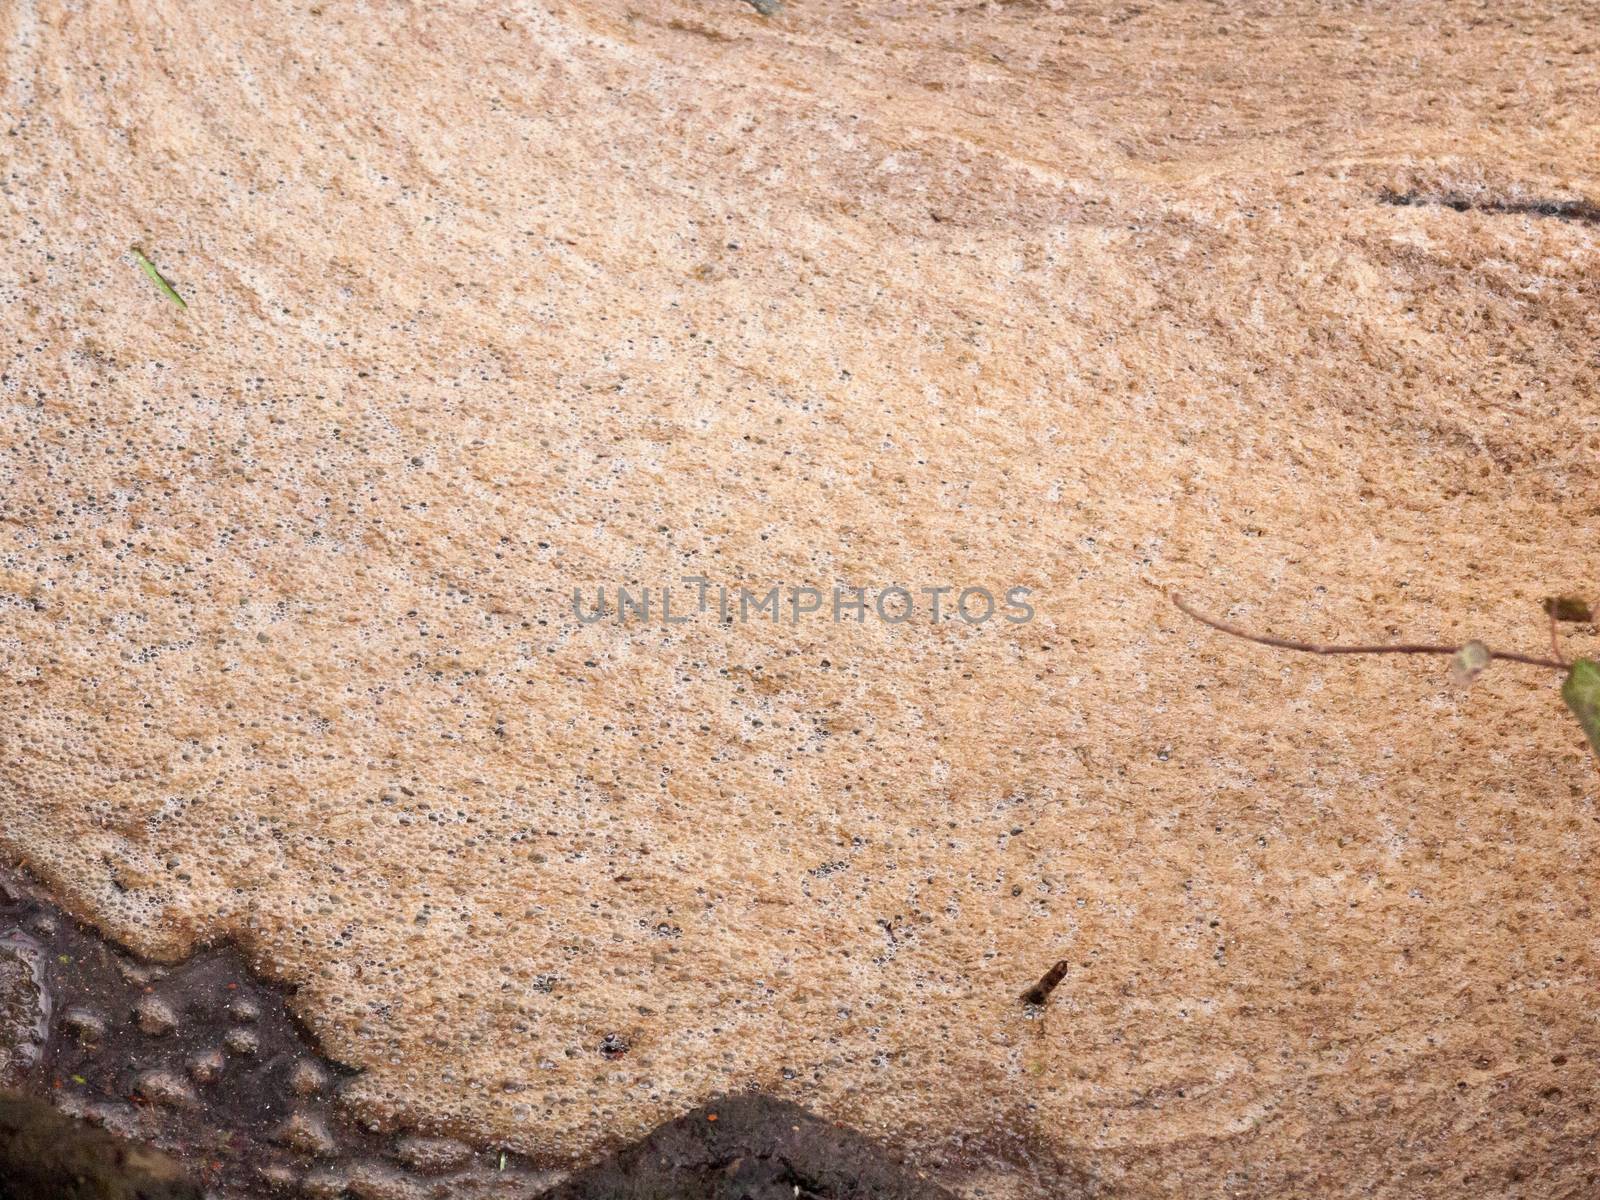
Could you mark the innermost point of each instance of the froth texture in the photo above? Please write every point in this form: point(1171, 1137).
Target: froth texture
point(487, 302)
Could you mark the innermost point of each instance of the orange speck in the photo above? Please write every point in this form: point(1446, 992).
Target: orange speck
point(711, 1116)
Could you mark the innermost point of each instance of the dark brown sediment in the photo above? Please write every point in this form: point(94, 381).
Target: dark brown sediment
point(204, 1060)
point(146, 1076)
point(750, 1146)
point(46, 1155)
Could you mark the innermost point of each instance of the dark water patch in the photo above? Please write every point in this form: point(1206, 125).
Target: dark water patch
point(750, 1147)
point(45, 1155)
point(206, 1061)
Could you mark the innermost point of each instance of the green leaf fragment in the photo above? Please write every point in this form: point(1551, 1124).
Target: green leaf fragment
point(1581, 691)
point(1469, 661)
point(167, 289)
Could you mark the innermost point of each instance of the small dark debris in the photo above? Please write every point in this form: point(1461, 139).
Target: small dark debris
point(1582, 211)
point(1568, 608)
point(1040, 992)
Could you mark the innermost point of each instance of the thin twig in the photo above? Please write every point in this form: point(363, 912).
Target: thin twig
point(1189, 610)
point(1555, 641)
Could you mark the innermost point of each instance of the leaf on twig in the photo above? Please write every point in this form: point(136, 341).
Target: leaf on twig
point(1581, 691)
point(1569, 608)
point(1469, 661)
point(167, 289)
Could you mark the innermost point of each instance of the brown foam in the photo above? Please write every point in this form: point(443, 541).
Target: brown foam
point(488, 303)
